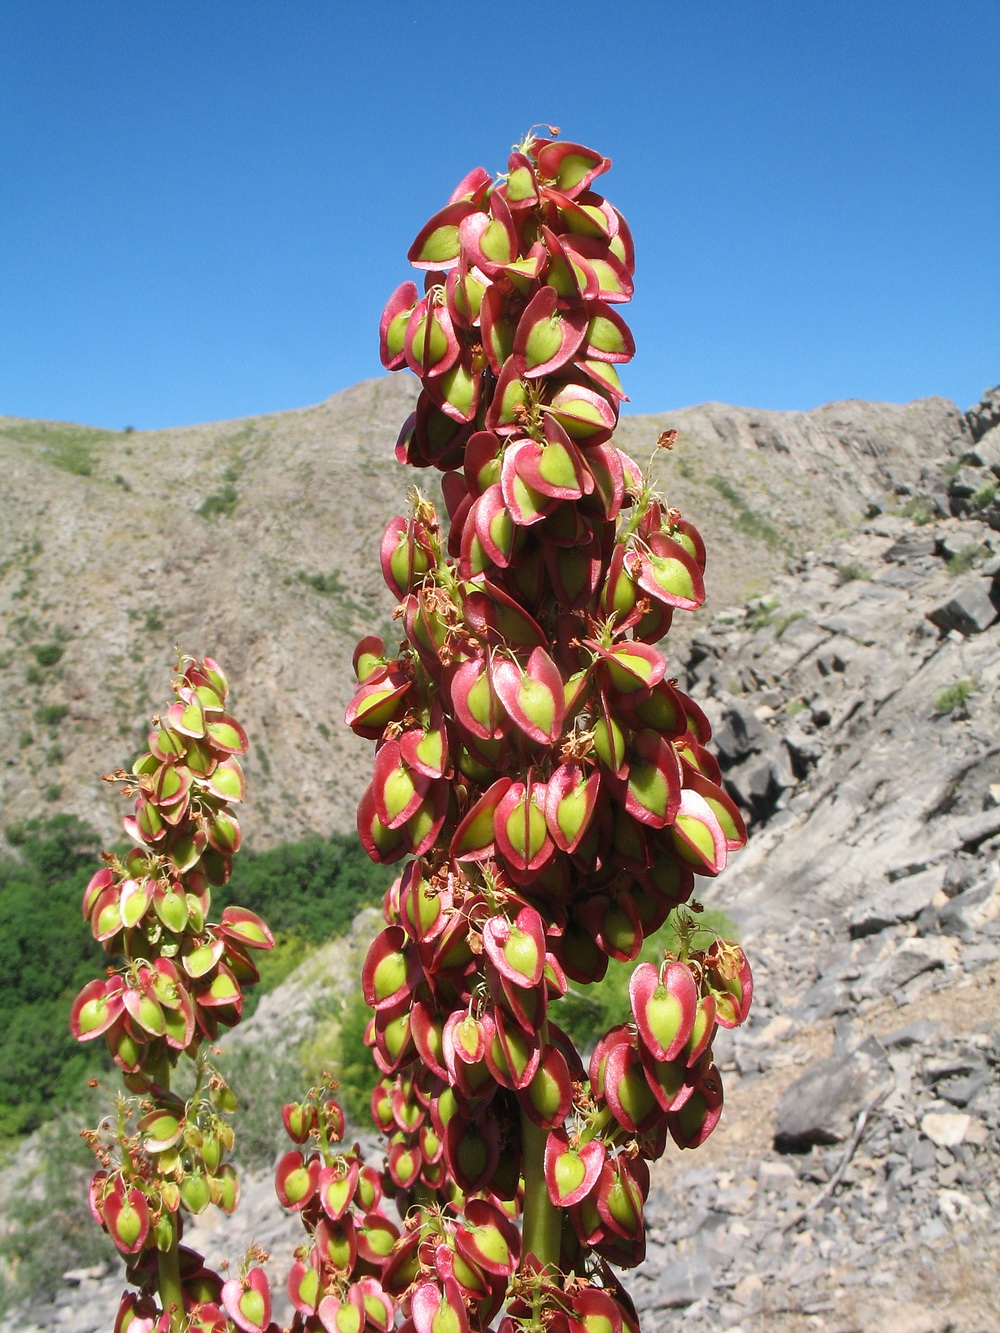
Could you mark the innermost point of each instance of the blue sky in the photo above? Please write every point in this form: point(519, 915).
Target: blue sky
point(204, 205)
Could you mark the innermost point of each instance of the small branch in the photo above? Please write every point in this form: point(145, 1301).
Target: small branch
point(849, 1151)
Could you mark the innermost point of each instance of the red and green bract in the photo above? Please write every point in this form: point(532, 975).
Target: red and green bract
point(540, 767)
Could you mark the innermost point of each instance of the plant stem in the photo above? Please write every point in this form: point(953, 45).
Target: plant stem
point(169, 1280)
point(597, 1126)
point(541, 1222)
point(168, 1261)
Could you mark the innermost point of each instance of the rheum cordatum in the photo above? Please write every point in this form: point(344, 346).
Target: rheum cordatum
point(542, 771)
point(551, 793)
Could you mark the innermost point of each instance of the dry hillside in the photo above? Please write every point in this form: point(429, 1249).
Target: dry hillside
point(255, 541)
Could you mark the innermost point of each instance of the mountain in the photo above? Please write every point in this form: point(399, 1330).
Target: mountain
point(256, 542)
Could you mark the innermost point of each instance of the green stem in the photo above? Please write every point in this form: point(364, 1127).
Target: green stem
point(541, 1222)
point(168, 1261)
point(169, 1280)
point(596, 1126)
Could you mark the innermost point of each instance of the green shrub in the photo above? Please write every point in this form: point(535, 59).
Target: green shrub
point(65, 446)
point(984, 495)
point(315, 887)
point(920, 509)
point(965, 559)
point(586, 1015)
point(263, 1077)
point(319, 883)
point(327, 584)
point(781, 623)
point(338, 1045)
point(49, 1228)
point(50, 715)
point(954, 696)
point(48, 654)
point(747, 520)
point(764, 615)
point(850, 571)
point(221, 502)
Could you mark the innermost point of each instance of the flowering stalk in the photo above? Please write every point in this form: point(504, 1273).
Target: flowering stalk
point(536, 762)
point(175, 981)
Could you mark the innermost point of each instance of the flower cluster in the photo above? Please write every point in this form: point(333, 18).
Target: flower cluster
point(360, 1267)
point(533, 754)
point(175, 981)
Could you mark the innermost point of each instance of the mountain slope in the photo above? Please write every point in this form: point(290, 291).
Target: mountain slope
point(256, 541)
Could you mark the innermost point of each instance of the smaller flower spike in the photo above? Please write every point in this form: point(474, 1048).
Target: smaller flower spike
point(177, 978)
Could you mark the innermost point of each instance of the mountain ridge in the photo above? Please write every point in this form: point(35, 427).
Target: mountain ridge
point(257, 541)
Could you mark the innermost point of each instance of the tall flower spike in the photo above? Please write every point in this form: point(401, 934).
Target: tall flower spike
point(533, 756)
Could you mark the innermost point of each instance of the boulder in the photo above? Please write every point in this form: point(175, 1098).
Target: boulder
point(905, 962)
point(822, 1105)
point(969, 608)
point(741, 733)
point(758, 782)
point(963, 915)
point(986, 451)
point(985, 415)
point(964, 484)
point(902, 900)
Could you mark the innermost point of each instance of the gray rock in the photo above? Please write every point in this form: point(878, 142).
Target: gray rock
point(907, 961)
point(741, 734)
point(969, 608)
point(909, 546)
point(985, 415)
point(977, 828)
point(860, 625)
point(900, 576)
point(804, 749)
point(922, 1156)
point(829, 997)
point(961, 1091)
point(678, 1283)
point(980, 955)
point(920, 1033)
point(822, 1105)
point(902, 900)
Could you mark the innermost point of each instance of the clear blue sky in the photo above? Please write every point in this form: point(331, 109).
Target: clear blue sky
point(205, 203)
